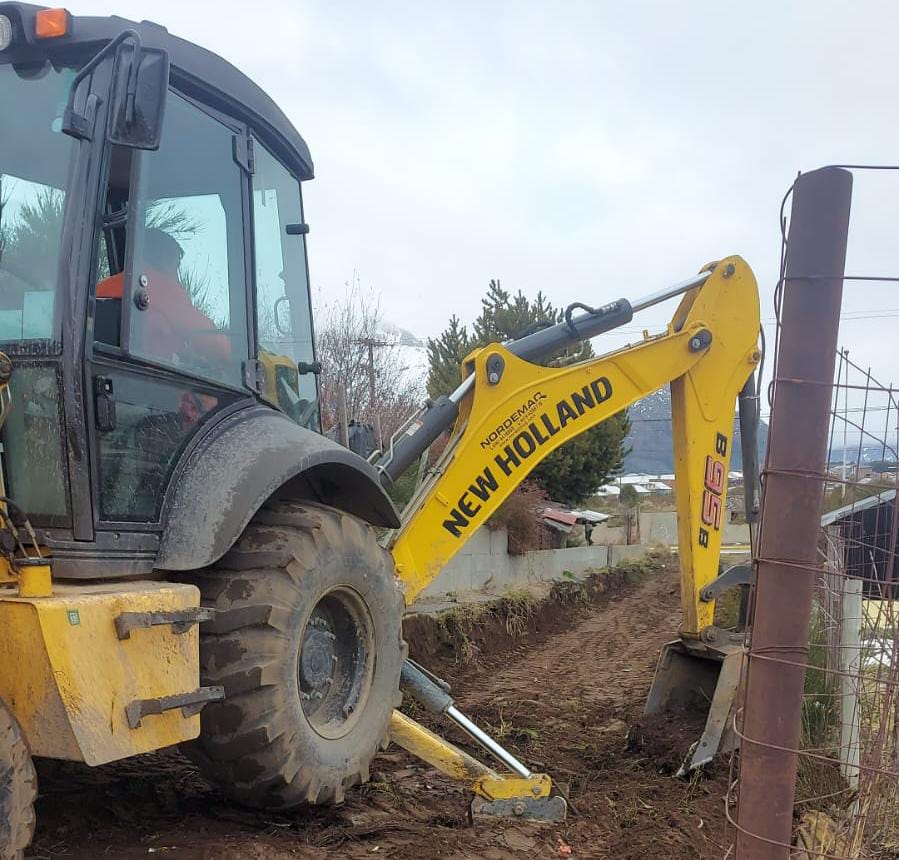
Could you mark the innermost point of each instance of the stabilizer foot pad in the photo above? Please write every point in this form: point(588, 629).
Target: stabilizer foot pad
point(526, 808)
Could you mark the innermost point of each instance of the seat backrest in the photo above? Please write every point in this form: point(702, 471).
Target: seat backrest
point(108, 321)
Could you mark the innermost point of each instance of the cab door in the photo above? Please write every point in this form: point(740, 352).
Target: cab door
point(169, 310)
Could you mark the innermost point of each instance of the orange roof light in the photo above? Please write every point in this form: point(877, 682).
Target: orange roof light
point(52, 23)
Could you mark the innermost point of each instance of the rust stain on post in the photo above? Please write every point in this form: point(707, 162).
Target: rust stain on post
point(791, 515)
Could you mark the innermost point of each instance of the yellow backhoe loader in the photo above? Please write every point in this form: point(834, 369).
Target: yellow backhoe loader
point(184, 557)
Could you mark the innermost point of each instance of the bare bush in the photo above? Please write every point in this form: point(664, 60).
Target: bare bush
point(518, 514)
point(343, 328)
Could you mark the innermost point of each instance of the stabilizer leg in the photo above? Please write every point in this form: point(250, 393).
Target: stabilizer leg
point(519, 794)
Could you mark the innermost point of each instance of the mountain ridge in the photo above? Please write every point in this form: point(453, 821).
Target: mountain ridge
point(650, 437)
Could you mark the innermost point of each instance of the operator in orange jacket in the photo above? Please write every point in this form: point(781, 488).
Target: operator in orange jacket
point(170, 328)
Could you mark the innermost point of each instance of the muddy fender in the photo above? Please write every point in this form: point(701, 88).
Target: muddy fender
point(255, 455)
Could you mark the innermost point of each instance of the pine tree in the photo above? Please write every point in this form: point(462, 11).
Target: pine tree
point(445, 356)
point(504, 317)
point(573, 473)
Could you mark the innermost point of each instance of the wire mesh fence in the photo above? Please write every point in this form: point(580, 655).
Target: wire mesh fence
point(848, 780)
point(847, 758)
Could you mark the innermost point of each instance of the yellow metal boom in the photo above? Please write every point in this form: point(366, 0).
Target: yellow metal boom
point(516, 413)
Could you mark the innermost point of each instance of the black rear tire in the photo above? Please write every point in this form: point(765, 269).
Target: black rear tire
point(18, 788)
point(307, 641)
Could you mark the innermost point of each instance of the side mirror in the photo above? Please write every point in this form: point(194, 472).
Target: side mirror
point(140, 85)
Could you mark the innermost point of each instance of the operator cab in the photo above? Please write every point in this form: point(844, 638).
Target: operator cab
point(153, 274)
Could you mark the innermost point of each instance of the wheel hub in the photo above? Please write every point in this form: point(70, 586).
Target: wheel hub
point(317, 658)
point(335, 662)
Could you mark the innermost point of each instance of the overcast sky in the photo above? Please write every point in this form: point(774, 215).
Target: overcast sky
point(588, 149)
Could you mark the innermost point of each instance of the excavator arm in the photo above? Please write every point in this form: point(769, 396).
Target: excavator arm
point(516, 413)
point(510, 413)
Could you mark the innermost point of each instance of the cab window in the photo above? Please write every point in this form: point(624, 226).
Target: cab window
point(34, 164)
point(185, 266)
point(283, 312)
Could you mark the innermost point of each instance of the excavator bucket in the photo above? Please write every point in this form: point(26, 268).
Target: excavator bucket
point(702, 675)
point(694, 676)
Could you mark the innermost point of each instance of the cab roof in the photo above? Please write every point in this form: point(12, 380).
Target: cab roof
point(194, 70)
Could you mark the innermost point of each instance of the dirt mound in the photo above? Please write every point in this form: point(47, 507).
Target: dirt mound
point(664, 739)
point(561, 683)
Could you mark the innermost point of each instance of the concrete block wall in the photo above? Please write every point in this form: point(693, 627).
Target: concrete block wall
point(608, 535)
point(660, 527)
point(735, 533)
point(618, 554)
point(485, 565)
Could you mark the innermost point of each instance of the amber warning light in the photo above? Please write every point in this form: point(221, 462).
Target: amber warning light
point(52, 23)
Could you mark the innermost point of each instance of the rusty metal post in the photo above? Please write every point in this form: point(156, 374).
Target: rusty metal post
point(791, 514)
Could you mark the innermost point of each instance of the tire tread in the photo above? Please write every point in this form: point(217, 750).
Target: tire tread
point(248, 744)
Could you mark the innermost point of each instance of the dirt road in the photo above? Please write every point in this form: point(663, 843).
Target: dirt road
point(563, 687)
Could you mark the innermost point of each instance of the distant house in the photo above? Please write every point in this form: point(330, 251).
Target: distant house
point(659, 488)
point(862, 538)
point(559, 520)
point(564, 522)
point(644, 485)
point(611, 490)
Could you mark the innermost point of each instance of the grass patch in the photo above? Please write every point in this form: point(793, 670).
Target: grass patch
point(516, 608)
point(505, 730)
point(819, 784)
point(457, 625)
